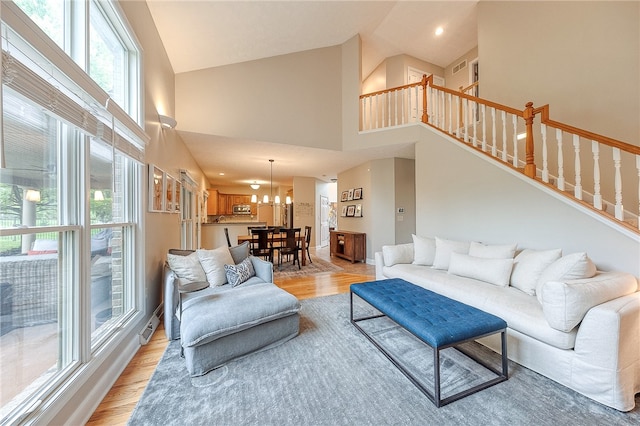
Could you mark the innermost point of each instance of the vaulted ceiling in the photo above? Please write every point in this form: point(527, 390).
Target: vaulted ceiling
point(207, 33)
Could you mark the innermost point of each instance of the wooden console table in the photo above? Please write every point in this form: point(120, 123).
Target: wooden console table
point(348, 245)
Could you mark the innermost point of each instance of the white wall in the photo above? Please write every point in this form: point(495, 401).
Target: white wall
point(582, 58)
point(290, 99)
point(461, 195)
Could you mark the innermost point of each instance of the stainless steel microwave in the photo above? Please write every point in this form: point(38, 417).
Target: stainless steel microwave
point(242, 209)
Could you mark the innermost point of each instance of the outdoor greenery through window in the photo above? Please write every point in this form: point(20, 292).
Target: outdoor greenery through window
point(70, 194)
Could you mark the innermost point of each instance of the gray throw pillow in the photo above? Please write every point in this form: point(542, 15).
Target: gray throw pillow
point(237, 274)
point(239, 252)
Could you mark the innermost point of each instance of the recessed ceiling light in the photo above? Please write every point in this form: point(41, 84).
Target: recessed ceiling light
point(221, 174)
point(439, 31)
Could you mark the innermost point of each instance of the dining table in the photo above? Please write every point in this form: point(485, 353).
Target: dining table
point(280, 238)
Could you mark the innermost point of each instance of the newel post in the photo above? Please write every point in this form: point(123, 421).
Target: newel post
point(528, 114)
point(425, 116)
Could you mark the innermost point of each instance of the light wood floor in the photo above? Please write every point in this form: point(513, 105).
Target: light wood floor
point(117, 406)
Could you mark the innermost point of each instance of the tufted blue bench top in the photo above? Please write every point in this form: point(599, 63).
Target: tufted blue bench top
point(436, 319)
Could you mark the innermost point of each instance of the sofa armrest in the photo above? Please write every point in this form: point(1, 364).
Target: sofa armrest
point(264, 269)
point(379, 262)
point(171, 300)
point(607, 352)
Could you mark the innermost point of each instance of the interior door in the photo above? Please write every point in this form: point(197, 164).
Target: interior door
point(324, 221)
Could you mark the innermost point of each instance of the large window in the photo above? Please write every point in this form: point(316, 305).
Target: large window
point(70, 194)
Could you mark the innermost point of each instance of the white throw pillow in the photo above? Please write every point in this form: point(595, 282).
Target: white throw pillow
point(566, 303)
point(573, 266)
point(444, 248)
point(424, 250)
point(493, 271)
point(529, 265)
point(502, 251)
point(187, 268)
point(399, 253)
point(213, 262)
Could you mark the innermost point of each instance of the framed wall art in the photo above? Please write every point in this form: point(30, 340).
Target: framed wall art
point(345, 195)
point(357, 194)
point(157, 184)
point(358, 211)
point(351, 210)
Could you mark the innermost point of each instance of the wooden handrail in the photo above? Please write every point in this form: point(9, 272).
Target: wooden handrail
point(471, 86)
point(544, 119)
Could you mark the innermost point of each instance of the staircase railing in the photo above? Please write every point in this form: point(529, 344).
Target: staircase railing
point(600, 181)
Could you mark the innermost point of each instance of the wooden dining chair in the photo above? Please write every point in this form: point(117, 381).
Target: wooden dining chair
point(290, 246)
point(307, 240)
point(262, 243)
point(226, 234)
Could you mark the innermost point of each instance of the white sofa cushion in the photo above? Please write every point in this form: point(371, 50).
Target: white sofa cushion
point(502, 251)
point(213, 262)
point(565, 303)
point(444, 248)
point(493, 271)
point(529, 265)
point(187, 268)
point(424, 250)
point(573, 266)
point(521, 311)
point(399, 253)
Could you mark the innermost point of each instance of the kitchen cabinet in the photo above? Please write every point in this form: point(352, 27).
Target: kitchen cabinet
point(225, 203)
point(212, 202)
point(348, 245)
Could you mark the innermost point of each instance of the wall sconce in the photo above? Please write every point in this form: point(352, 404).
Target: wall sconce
point(32, 195)
point(98, 195)
point(167, 122)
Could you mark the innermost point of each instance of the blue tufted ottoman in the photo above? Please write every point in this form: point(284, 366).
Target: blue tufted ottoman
point(436, 320)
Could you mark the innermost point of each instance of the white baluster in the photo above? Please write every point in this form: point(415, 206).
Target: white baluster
point(388, 96)
point(474, 107)
point(494, 145)
point(465, 118)
point(638, 168)
point(484, 127)
point(363, 112)
point(442, 112)
point(417, 117)
point(545, 162)
point(560, 184)
point(457, 116)
point(377, 110)
point(370, 112)
point(514, 120)
point(402, 95)
point(577, 191)
point(619, 211)
point(504, 136)
point(450, 114)
point(395, 93)
point(597, 197)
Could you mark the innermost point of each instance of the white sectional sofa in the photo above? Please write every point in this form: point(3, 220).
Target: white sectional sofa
point(566, 320)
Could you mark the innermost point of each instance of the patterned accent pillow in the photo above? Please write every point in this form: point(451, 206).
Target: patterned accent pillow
point(237, 274)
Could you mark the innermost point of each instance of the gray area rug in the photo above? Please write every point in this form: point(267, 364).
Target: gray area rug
point(332, 375)
point(289, 270)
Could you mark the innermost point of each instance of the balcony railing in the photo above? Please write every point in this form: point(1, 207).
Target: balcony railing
point(597, 171)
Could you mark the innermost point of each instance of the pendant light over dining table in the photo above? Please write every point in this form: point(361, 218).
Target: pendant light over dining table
point(269, 198)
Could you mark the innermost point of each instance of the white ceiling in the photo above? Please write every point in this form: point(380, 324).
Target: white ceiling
point(208, 33)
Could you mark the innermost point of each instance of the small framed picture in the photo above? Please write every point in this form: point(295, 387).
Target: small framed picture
point(357, 194)
point(345, 196)
point(344, 211)
point(350, 195)
point(169, 193)
point(157, 185)
point(351, 210)
point(358, 212)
